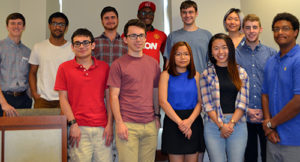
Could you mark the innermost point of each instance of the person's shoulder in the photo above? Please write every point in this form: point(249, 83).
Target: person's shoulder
point(160, 32)
point(204, 32)
point(101, 63)
point(41, 44)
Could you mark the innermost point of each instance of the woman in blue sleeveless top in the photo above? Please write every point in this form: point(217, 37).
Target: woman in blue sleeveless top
point(179, 96)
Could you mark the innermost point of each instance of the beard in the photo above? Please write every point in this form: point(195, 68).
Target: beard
point(54, 35)
point(110, 28)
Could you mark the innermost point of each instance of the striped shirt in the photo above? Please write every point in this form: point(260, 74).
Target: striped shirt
point(210, 92)
point(107, 50)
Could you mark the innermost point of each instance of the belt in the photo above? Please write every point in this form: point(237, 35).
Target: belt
point(15, 94)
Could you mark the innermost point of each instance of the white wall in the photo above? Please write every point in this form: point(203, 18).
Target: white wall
point(267, 10)
point(87, 14)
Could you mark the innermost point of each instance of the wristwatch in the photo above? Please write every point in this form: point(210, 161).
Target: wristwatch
point(70, 123)
point(269, 125)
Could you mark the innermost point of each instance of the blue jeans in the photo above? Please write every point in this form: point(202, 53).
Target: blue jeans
point(231, 149)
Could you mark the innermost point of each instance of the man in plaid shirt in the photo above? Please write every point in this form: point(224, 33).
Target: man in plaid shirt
point(109, 45)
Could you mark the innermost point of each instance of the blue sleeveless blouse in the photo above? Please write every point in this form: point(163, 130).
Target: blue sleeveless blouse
point(182, 92)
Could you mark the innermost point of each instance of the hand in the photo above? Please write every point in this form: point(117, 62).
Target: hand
point(265, 128)
point(122, 131)
point(9, 110)
point(184, 125)
point(36, 96)
point(226, 131)
point(188, 134)
point(273, 137)
point(108, 134)
point(75, 135)
point(157, 122)
point(255, 115)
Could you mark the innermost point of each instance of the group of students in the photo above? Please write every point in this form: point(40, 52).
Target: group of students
point(244, 88)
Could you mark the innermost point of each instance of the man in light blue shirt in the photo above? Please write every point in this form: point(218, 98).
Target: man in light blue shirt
point(252, 56)
point(281, 92)
point(14, 67)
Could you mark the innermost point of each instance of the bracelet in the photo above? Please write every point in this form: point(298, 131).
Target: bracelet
point(158, 115)
point(233, 122)
point(70, 123)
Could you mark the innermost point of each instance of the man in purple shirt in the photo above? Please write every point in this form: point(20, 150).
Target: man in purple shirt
point(14, 67)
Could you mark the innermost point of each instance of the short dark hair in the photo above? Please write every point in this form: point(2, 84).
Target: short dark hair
point(288, 17)
point(108, 9)
point(14, 16)
point(232, 65)
point(172, 65)
point(58, 15)
point(83, 32)
point(187, 4)
point(134, 22)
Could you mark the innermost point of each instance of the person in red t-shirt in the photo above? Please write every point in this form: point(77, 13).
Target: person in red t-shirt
point(81, 83)
point(156, 39)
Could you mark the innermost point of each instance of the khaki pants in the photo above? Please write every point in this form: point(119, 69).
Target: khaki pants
point(141, 144)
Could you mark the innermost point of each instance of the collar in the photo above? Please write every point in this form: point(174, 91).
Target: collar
point(151, 29)
point(79, 66)
point(291, 53)
point(103, 36)
point(10, 41)
point(245, 45)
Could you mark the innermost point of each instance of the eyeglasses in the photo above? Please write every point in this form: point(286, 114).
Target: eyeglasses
point(55, 24)
point(144, 13)
point(284, 29)
point(85, 43)
point(185, 54)
point(135, 36)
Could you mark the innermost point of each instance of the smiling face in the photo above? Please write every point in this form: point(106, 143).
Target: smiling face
point(57, 27)
point(233, 22)
point(182, 58)
point(110, 21)
point(15, 27)
point(252, 30)
point(188, 16)
point(286, 35)
point(82, 49)
point(220, 52)
point(146, 15)
point(135, 45)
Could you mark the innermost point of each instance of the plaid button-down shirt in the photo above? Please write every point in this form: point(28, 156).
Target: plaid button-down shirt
point(210, 92)
point(107, 50)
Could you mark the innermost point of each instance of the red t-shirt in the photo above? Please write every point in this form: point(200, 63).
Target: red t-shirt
point(85, 88)
point(136, 77)
point(155, 43)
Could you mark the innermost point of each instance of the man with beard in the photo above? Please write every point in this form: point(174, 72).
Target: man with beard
point(197, 38)
point(253, 56)
point(45, 59)
point(109, 45)
point(156, 39)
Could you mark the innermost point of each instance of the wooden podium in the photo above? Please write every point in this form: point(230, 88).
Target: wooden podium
point(33, 139)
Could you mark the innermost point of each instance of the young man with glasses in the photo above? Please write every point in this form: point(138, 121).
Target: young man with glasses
point(45, 58)
point(81, 84)
point(133, 82)
point(109, 45)
point(155, 39)
point(197, 38)
point(14, 67)
point(281, 92)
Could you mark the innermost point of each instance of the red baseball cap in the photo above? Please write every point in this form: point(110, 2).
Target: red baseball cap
point(147, 4)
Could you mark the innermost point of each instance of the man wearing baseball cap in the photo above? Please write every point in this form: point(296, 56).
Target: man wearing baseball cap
point(156, 39)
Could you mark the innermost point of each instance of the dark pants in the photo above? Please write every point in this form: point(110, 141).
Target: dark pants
point(251, 154)
point(18, 102)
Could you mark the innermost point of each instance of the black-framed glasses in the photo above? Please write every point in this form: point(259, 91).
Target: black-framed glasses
point(85, 43)
point(135, 36)
point(55, 24)
point(144, 13)
point(284, 29)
